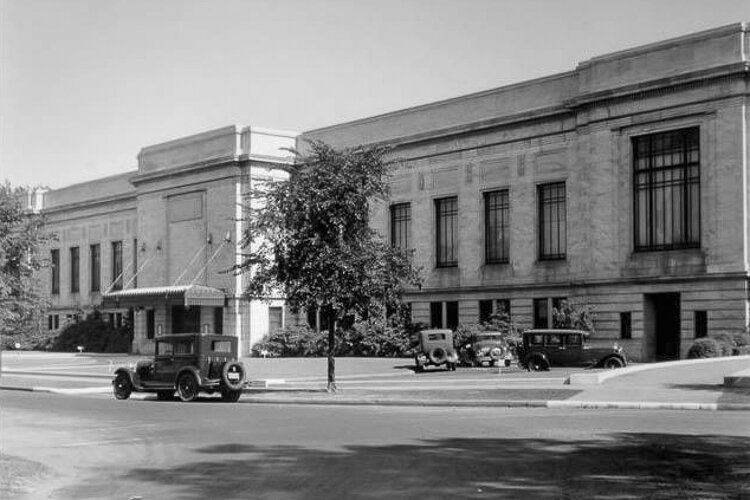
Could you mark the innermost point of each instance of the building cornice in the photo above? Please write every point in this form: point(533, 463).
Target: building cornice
point(89, 204)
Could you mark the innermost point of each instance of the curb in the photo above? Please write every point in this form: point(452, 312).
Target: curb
point(553, 404)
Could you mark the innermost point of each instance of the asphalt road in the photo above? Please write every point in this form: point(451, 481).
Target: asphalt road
point(106, 449)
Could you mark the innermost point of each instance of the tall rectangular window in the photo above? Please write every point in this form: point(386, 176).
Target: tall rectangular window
point(95, 262)
point(541, 313)
point(701, 324)
point(666, 181)
point(485, 310)
point(436, 314)
point(150, 323)
point(626, 325)
point(55, 269)
point(400, 225)
point(275, 319)
point(135, 262)
point(451, 315)
point(446, 211)
point(75, 269)
point(496, 227)
point(117, 265)
point(552, 221)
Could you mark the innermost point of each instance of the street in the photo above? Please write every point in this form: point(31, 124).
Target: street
point(103, 448)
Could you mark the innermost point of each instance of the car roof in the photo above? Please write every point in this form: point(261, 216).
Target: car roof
point(558, 331)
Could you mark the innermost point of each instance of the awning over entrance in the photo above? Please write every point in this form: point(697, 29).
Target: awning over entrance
point(187, 295)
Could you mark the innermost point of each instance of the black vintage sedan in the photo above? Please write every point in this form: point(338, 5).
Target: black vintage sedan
point(542, 349)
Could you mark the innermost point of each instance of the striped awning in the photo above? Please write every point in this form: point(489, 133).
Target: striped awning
point(187, 295)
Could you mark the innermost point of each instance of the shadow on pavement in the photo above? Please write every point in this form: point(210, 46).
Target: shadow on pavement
point(728, 395)
point(630, 465)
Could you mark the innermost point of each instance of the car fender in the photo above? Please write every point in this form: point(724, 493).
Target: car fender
point(188, 369)
point(131, 376)
point(610, 356)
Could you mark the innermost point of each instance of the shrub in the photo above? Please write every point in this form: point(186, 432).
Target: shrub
point(95, 335)
point(704, 348)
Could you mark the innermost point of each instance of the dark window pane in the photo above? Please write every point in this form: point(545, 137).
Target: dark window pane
point(626, 328)
point(541, 313)
point(701, 324)
point(497, 220)
point(95, 265)
point(74, 269)
point(218, 320)
point(451, 315)
point(666, 170)
point(400, 225)
point(150, 323)
point(446, 211)
point(117, 265)
point(552, 221)
point(485, 310)
point(275, 319)
point(436, 314)
point(55, 268)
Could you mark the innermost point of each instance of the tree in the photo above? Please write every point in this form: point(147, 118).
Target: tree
point(310, 238)
point(21, 239)
point(576, 316)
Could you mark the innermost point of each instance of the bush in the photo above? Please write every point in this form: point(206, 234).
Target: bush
point(95, 335)
point(704, 348)
point(575, 316)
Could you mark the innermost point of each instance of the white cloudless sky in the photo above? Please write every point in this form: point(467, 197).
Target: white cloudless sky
point(85, 84)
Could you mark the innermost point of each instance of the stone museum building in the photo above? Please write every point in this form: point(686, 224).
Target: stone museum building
point(622, 184)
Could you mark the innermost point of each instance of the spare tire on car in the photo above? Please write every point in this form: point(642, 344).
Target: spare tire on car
point(233, 375)
point(438, 355)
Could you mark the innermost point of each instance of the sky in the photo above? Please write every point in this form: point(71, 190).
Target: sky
point(85, 84)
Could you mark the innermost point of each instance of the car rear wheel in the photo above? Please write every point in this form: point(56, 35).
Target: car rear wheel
point(612, 363)
point(187, 387)
point(229, 396)
point(122, 387)
point(537, 364)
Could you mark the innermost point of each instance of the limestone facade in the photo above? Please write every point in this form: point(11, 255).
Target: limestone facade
point(685, 274)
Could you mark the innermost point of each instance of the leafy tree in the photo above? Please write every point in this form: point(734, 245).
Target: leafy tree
point(21, 239)
point(576, 316)
point(310, 238)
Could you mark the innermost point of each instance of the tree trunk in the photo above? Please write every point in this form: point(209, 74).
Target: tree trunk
point(331, 350)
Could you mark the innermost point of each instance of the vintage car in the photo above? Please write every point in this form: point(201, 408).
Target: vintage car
point(435, 348)
point(486, 349)
point(542, 349)
point(187, 363)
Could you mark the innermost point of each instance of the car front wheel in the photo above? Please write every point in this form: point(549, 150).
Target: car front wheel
point(122, 387)
point(612, 363)
point(187, 387)
point(536, 364)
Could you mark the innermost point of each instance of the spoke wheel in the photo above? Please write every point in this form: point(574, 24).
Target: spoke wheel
point(536, 364)
point(187, 387)
point(613, 363)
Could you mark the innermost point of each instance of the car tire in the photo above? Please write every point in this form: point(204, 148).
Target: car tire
point(187, 387)
point(231, 367)
point(438, 355)
point(229, 396)
point(164, 395)
point(612, 363)
point(537, 364)
point(122, 387)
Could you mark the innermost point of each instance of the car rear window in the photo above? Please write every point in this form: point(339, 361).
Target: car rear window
point(221, 346)
point(435, 336)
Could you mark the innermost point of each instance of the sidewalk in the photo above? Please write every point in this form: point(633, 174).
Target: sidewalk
point(688, 384)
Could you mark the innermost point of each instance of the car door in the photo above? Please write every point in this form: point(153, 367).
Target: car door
point(164, 363)
point(571, 352)
point(553, 344)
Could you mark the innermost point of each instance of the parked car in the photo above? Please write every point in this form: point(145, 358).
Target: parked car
point(435, 348)
point(185, 363)
point(486, 348)
point(542, 349)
